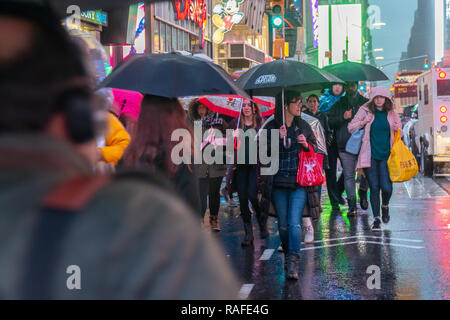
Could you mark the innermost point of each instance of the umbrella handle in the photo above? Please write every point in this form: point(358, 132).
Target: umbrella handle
point(237, 144)
point(286, 142)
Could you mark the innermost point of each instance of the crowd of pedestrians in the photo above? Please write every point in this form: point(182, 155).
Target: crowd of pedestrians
point(153, 201)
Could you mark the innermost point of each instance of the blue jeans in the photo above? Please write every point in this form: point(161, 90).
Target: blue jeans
point(378, 177)
point(289, 205)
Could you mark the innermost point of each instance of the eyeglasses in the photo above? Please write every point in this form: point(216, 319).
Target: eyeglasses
point(299, 101)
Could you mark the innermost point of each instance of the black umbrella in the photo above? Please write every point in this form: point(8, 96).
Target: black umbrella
point(354, 71)
point(274, 77)
point(269, 79)
point(171, 75)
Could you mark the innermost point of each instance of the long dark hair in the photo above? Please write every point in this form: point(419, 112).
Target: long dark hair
point(257, 117)
point(151, 143)
point(387, 106)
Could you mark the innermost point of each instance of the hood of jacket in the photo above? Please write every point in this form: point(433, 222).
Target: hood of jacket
point(328, 100)
point(379, 91)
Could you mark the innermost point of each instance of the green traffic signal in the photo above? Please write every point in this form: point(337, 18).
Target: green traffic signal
point(277, 21)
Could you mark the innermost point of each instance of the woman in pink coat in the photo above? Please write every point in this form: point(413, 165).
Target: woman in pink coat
point(380, 122)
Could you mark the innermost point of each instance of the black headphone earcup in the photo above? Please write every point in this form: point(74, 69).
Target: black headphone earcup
point(80, 122)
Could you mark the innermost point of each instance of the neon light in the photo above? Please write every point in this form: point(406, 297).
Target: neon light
point(315, 21)
point(443, 109)
point(444, 119)
point(442, 75)
point(194, 10)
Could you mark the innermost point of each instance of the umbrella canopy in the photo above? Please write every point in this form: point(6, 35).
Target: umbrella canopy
point(268, 79)
point(231, 105)
point(172, 76)
point(354, 71)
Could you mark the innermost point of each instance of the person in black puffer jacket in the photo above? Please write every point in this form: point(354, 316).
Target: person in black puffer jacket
point(340, 115)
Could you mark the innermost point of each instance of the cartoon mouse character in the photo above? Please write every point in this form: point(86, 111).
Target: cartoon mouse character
point(225, 17)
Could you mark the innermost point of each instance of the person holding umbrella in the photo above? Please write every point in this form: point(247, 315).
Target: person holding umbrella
point(247, 176)
point(341, 114)
point(288, 197)
point(209, 176)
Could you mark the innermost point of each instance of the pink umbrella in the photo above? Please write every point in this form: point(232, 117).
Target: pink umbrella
point(129, 102)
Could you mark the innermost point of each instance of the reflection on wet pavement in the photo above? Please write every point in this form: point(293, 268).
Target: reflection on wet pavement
point(412, 252)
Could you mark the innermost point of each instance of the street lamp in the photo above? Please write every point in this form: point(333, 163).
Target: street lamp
point(379, 24)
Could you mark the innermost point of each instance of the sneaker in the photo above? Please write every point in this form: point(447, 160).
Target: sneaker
point(376, 226)
point(309, 234)
point(280, 249)
point(308, 230)
point(385, 214)
point(214, 223)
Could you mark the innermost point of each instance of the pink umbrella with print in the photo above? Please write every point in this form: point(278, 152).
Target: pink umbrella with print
point(231, 105)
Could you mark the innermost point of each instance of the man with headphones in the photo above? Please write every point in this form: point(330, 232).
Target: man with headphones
point(64, 232)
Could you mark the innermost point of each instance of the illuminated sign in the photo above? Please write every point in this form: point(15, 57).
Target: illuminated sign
point(315, 21)
point(225, 17)
point(194, 10)
point(96, 17)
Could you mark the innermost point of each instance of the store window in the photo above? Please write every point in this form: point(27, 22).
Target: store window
point(156, 37)
point(163, 37)
point(186, 42)
point(174, 39)
point(180, 40)
point(169, 39)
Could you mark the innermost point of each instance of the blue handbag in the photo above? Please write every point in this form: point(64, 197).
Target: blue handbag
point(353, 145)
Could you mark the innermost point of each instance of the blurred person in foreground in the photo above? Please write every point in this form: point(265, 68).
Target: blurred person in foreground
point(129, 238)
point(111, 145)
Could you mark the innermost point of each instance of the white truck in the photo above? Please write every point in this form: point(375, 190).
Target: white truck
point(432, 132)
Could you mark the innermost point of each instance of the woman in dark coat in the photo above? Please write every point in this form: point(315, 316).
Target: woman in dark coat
point(245, 172)
point(209, 176)
point(151, 146)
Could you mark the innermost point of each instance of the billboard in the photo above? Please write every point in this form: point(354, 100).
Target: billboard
point(346, 33)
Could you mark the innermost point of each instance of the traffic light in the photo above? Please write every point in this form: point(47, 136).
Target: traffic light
point(426, 64)
point(277, 9)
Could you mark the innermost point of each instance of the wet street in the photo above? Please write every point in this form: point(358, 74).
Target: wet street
point(412, 251)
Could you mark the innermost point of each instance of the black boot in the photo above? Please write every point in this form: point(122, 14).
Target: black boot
point(262, 223)
point(292, 266)
point(248, 238)
point(363, 199)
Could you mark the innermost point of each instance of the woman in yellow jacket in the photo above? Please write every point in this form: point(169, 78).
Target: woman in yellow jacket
point(116, 140)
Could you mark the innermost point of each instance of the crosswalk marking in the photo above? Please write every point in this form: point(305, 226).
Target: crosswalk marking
point(245, 290)
point(267, 254)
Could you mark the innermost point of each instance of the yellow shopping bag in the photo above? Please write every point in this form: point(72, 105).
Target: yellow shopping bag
point(402, 164)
